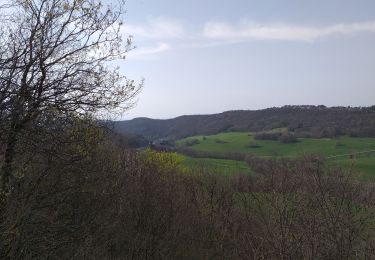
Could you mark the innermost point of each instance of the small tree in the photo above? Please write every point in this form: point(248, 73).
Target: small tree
point(58, 56)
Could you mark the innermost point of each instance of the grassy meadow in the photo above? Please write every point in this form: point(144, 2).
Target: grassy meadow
point(221, 166)
point(245, 143)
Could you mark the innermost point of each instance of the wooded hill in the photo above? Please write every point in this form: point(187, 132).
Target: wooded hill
point(304, 121)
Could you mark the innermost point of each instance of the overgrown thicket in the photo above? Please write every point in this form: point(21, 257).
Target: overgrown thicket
point(82, 196)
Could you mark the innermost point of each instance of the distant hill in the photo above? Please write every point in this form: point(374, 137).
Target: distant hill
point(305, 121)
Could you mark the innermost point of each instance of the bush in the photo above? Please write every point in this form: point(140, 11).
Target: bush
point(288, 138)
point(218, 141)
point(162, 162)
point(192, 142)
point(267, 136)
point(254, 145)
point(339, 144)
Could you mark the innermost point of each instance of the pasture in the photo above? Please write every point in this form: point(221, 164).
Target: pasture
point(221, 166)
point(329, 147)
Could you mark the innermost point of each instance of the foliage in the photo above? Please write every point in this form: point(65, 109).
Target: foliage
point(191, 142)
point(110, 204)
point(162, 162)
point(71, 190)
point(253, 144)
point(56, 57)
point(273, 136)
point(288, 138)
point(304, 121)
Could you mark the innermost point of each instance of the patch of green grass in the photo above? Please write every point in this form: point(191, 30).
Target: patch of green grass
point(364, 166)
point(278, 130)
point(241, 142)
point(226, 167)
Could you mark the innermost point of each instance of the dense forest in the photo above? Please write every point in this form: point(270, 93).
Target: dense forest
point(304, 121)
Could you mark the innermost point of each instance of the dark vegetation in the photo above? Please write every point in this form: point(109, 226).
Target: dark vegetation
point(303, 121)
point(286, 138)
point(192, 142)
point(71, 189)
point(130, 140)
point(92, 199)
point(253, 144)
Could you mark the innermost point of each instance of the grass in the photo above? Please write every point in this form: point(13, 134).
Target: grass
point(364, 166)
point(244, 142)
point(240, 142)
point(226, 167)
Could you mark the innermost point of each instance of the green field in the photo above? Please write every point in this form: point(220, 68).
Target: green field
point(364, 166)
point(226, 167)
point(240, 142)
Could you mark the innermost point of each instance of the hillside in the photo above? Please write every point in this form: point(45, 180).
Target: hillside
point(305, 121)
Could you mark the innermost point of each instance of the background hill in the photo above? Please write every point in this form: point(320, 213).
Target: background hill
point(304, 121)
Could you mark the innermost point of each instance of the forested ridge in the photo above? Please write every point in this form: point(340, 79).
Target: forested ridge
point(305, 121)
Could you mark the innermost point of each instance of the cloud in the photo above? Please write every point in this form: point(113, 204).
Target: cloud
point(157, 28)
point(162, 33)
point(139, 53)
point(251, 31)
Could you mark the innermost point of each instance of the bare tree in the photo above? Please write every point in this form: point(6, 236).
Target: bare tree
point(59, 56)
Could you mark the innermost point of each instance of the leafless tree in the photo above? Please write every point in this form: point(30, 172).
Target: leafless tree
point(58, 56)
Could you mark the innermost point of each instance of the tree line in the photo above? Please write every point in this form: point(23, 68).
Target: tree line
point(302, 121)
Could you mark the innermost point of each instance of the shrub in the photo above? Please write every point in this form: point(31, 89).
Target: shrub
point(339, 144)
point(288, 138)
point(267, 136)
point(192, 142)
point(218, 141)
point(162, 162)
point(254, 145)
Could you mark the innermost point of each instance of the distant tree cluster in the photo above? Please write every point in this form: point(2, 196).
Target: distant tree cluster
point(303, 121)
point(192, 142)
point(287, 138)
point(272, 136)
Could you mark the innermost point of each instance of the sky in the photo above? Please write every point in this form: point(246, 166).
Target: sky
point(210, 56)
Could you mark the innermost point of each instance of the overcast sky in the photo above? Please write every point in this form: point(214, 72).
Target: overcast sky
point(209, 56)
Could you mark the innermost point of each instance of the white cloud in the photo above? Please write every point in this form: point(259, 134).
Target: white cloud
point(139, 53)
point(157, 28)
point(163, 33)
point(250, 31)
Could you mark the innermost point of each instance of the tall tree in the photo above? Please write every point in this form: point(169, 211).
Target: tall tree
point(58, 56)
